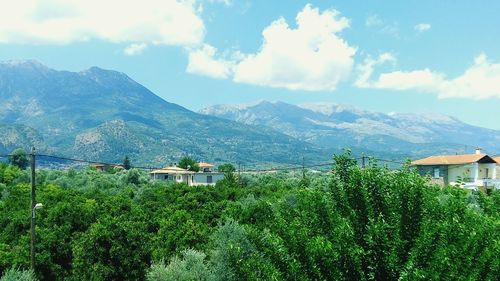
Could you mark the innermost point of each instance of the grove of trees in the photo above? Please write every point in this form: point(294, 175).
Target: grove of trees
point(348, 224)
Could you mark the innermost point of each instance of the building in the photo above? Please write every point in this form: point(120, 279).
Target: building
point(497, 158)
point(471, 171)
point(206, 175)
point(104, 167)
point(173, 174)
point(206, 167)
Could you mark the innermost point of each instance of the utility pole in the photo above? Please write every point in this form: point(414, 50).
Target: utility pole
point(303, 169)
point(239, 174)
point(363, 161)
point(33, 202)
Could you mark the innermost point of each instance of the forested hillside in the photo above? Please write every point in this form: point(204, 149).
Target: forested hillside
point(350, 224)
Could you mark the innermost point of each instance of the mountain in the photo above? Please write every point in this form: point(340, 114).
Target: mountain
point(333, 126)
point(103, 115)
point(15, 136)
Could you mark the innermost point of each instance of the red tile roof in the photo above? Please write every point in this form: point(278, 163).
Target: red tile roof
point(454, 159)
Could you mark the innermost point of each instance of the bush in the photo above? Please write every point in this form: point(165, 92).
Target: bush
point(191, 266)
point(14, 274)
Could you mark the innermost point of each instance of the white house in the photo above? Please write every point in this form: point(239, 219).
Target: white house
point(206, 175)
point(471, 171)
point(174, 174)
point(497, 158)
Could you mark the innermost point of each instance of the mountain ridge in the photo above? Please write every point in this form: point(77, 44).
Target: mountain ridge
point(330, 125)
point(103, 115)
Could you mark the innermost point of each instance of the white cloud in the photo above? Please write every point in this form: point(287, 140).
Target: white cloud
point(168, 22)
point(310, 57)
point(135, 49)
point(479, 81)
point(421, 27)
point(365, 70)
point(422, 80)
point(204, 62)
point(373, 20)
point(225, 2)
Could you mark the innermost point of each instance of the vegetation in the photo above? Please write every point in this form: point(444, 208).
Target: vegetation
point(126, 163)
point(351, 224)
point(19, 158)
point(189, 164)
point(18, 275)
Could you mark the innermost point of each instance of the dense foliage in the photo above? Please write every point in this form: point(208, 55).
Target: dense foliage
point(351, 224)
point(19, 158)
point(188, 163)
point(14, 274)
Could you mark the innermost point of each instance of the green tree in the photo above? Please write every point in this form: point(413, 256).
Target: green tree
point(114, 247)
point(19, 158)
point(344, 164)
point(229, 176)
point(192, 266)
point(18, 275)
point(226, 168)
point(133, 176)
point(189, 164)
point(126, 163)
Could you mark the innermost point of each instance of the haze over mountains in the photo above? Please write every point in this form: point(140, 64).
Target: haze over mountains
point(103, 115)
point(335, 126)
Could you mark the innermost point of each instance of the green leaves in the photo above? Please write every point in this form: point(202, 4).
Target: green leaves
point(354, 224)
point(18, 275)
point(191, 266)
point(189, 164)
point(19, 158)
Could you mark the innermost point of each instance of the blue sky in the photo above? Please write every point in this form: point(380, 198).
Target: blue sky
point(388, 56)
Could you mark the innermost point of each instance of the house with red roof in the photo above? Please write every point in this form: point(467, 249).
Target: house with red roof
point(471, 171)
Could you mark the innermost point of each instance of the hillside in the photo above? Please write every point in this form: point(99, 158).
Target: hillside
point(103, 115)
point(333, 126)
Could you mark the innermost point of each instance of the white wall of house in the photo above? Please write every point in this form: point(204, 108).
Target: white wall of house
point(472, 172)
point(456, 172)
point(487, 171)
point(192, 179)
point(206, 178)
point(178, 178)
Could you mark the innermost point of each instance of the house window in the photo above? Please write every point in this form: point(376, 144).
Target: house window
point(209, 179)
point(436, 173)
point(178, 178)
point(166, 177)
point(486, 172)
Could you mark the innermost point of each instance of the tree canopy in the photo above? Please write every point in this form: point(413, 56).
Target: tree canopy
point(352, 224)
point(126, 163)
point(19, 158)
point(189, 164)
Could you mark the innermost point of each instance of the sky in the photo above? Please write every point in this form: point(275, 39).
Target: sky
point(386, 56)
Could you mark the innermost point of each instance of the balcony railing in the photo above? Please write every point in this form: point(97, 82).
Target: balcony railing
point(489, 183)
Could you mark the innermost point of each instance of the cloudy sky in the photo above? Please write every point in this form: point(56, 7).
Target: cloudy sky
point(389, 56)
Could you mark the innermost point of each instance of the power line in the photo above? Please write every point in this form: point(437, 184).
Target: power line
point(274, 169)
point(94, 162)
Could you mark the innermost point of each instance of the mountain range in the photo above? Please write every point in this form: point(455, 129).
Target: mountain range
point(103, 115)
point(334, 126)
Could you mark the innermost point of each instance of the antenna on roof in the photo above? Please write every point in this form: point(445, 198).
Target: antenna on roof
point(478, 150)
